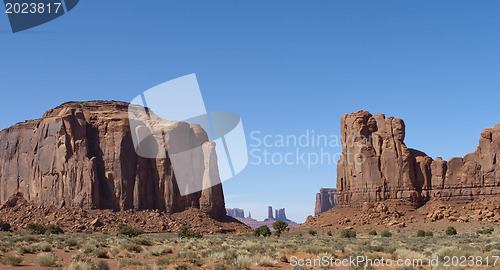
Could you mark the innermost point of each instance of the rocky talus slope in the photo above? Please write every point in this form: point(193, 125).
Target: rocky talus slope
point(81, 155)
point(382, 184)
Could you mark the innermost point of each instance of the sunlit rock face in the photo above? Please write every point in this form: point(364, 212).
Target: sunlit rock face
point(82, 154)
point(376, 165)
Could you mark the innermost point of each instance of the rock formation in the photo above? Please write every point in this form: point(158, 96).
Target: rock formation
point(235, 212)
point(270, 212)
point(81, 154)
point(280, 214)
point(325, 200)
point(376, 165)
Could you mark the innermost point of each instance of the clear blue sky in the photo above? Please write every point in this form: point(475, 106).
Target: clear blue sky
point(284, 66)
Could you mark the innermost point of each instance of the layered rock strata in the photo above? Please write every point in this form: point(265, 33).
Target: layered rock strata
point(376, 165)
point(81, 154)
point(325, 200)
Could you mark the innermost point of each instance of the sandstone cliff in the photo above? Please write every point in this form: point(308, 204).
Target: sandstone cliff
point(325, 200)
point(235, 212)
point(376, 165)
point(81, 154)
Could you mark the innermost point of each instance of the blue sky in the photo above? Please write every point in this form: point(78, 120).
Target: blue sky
point(285, 66)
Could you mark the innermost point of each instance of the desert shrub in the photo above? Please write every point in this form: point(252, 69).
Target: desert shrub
point(34, 228)
point(402, 253)
point(454, 251)
point(312, 232)
point(101, 253)
point(262, 230)
point(386, 233)
point(186, 232)
point(372, 232)
point(102, 265)
point(46, 259)
point(181, 267)
point(4, 226)
point(160, 250)
point(45, 246)
point(131, 247)
point(163, 261)
point(284, 258)
point(265, 261)
point(279, 227)
point(24, 250)
point(128, 262)
point(89, 248)
point(13, 260)
point(451, 231)
point(220, 266)
point(143, 241)
point(81, 265)
point(70, 243)
point(422, 233)
point(53, 229)
point(329, 233)
point(129, 231)
point(346, 233)
point(485, 231)
point(186, 255)
point(492, 246)
point(243, 262)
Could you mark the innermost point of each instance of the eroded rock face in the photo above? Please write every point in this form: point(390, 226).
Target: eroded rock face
point(235, 212)
point(376, 165)
point(81, 154)
point(325, 200)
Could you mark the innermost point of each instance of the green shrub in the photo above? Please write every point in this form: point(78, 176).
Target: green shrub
point(34, 228)
point(53, 229)
point(13, 260)
point(421, 233)
point(312, 232)
point(346, 233)
point(372, 232)
point(329, 233)
point(429, 234)
point(46, 259)
point(279, 227)
point(485, 231)
point(129, 231)
point(451, 231)
point(386, 233)
point(4, 226)
point(127, 262)
point(262, 230)
point(186, 232)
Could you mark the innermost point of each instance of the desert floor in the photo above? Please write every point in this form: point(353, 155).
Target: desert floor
point(100, 251)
